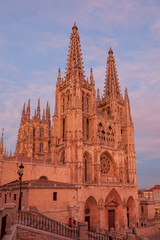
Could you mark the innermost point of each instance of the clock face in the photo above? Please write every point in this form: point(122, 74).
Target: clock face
point(105, 164)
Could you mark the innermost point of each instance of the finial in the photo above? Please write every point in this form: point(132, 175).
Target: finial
point(43, 117)
point(28, 110)
point(98, 97)
point(74, 26)
point(35, 113)
point(59, 73)
point(38, 109)
point(110, 51)
point(91, 76)
point(23, 111)
point(2, 132)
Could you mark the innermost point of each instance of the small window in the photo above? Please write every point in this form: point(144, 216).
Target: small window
point(15, 196)
point(142, 209)
point(41, 132)
point(54, 196)
point(33, 132)
point(5, 198)
point(41, 147)
point(9, 195)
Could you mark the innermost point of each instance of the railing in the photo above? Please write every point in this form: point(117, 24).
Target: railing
point(101, 236)
point(97, 236)
point(39, 221)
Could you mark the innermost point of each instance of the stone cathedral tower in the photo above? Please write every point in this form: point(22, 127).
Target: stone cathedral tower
point(34, 134)
point(94, 137)
point(90, 144)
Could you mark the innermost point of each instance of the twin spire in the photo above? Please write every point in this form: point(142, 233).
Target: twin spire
point(75, 65)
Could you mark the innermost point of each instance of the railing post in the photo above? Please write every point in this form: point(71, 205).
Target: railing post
point(83, 230)
point(9, 209)
point(1, 211)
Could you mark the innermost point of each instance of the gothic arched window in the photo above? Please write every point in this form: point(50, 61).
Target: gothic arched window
point(41, 132)
point(110, 137)
point(87, 104)
point(41, 147)
point(101, 132)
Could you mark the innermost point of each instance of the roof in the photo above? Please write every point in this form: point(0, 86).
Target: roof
point(140, 192)
point(38, 183)
point(156, 187)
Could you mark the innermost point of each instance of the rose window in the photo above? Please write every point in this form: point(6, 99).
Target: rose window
point(105, 164)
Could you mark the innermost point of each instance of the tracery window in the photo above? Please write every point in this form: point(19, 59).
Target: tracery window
point(110, 137)
point(105, 164)
point(101, 132)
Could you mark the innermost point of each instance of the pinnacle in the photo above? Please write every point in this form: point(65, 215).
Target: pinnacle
point(74, 56)
point(110, 51)
point(111, 80)
point(75, 26)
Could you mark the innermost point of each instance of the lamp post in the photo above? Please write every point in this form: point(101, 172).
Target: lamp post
point(20, 173)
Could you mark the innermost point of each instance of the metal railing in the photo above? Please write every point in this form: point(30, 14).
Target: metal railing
point(41, 222)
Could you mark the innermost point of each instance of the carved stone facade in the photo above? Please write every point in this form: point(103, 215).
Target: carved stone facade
point(90, 144)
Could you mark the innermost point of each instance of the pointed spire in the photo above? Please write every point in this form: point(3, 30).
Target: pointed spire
point(43, 117)
point(127, 109)
point(38, 109)
point(28, 110)
point(111, 81)
point(59, 77)
point(23, 113)
point(98, 96)
point(47, 112)
point(74, 57)
point(91, 77)
point(35, 114)
point(1, 142)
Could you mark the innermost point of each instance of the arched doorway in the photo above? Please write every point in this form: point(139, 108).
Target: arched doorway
point(91, 213)
point(131, 212)
point(113, 207)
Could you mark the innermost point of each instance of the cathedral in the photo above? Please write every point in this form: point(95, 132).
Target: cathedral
point(89, 149)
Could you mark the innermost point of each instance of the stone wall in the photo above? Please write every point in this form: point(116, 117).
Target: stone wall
point(147, 231)
point(28, 233)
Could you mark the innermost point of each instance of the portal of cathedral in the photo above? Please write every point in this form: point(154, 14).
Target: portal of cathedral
point(113, 210)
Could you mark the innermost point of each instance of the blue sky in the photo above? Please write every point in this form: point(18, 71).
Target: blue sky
point(34, 40)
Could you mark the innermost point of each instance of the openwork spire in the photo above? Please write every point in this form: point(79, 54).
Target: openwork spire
point(111, 82)
point(75, 56)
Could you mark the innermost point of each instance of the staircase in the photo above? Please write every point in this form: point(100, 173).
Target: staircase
point(44, 223)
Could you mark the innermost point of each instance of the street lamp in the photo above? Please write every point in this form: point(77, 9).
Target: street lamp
point(20, 173)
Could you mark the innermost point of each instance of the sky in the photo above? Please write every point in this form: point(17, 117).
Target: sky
point(34, 43)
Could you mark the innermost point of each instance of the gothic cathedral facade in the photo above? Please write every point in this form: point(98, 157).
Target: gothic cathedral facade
point(90, 143)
